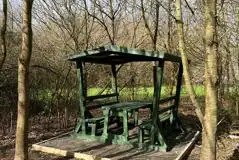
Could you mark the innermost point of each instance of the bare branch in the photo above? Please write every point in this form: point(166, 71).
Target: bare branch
point(190, 8)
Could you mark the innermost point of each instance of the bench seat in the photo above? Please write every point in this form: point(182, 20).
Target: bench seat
point(147, 124)
point(94, 120)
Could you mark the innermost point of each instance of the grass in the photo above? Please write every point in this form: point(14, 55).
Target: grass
point(148, 91)
point(125, 93)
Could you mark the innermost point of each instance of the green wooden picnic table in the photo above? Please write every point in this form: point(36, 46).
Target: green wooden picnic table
point(123, 110)
point(116, 57)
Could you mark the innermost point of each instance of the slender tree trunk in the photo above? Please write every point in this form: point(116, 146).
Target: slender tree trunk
point(21, 152)
point(170, 49)
point(208, 151)
point(186, 73)
point(3, 33)
point(154, 32)
point(169, 37)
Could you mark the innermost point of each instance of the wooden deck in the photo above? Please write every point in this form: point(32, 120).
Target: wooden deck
point(69, 146)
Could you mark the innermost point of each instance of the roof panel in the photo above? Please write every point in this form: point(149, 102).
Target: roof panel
point(113, 54)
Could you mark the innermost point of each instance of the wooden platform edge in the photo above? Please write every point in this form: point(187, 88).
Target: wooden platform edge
point(65, 153)
point(51, 150)
point(189, 146)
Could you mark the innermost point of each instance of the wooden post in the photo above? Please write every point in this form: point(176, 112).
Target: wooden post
point(177, 97)
point(84, 79)
point(156, 136)
point(114, 81)
point(104, 136)
point(178, 87)
point(81, 96)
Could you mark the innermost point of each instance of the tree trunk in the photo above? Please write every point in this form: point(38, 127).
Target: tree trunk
point(21, 152)
point(169, 37)
point(186, 73)
point(154, 32)
point(3, 33)
point(208, 150)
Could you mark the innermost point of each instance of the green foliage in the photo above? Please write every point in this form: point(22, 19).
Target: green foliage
point(148, 91)
point(139, 92)
point(46, 100)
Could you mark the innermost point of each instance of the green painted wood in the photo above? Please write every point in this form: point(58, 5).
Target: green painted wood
point(84, 71)
point(175, 118)
point(158, 73)
point(125, 125)
point(81, 97)
point(128, 105)
point(106, 124)
point(95, 119)
point(93, 129)
point(178, 87)
point(113, 54)
point(91, 98)
point(141, 138)
point(123, 110)
point(117, 55)
point(78, 126)
point(156, 135)
point(136, 116)
point(147, 124)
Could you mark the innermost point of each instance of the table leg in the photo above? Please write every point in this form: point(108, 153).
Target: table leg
point(106, 124)
point(78, 126)
point(136, 117)
point(125, 124)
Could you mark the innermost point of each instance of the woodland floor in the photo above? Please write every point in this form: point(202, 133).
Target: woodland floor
point(225, 145)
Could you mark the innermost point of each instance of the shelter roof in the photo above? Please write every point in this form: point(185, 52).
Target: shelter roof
point(113, 54)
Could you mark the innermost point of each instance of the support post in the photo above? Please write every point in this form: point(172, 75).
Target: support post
point(81, 96)
point(114, 81)
point(84, 79)
point(177, 97)
point(156, 136)
point(104, 136)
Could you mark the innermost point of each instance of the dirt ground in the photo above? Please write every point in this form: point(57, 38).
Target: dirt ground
point(226, 146)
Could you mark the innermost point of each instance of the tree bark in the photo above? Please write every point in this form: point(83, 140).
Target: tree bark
point(169, 37)
point(208, 150)
point(186, 73)
point(21, 152)
point(3, 33)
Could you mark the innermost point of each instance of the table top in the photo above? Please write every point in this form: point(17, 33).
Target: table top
point(128, 105)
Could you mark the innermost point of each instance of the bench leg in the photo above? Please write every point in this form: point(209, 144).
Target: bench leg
point(78, 126)
point(136, 117)
point(106, 123)
point(176, 122)
point(163, 145)
point(93, 129)
point(141, 138)
point(125, 124)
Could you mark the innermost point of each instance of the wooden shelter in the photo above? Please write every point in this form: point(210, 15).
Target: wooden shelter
point(91, 127)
